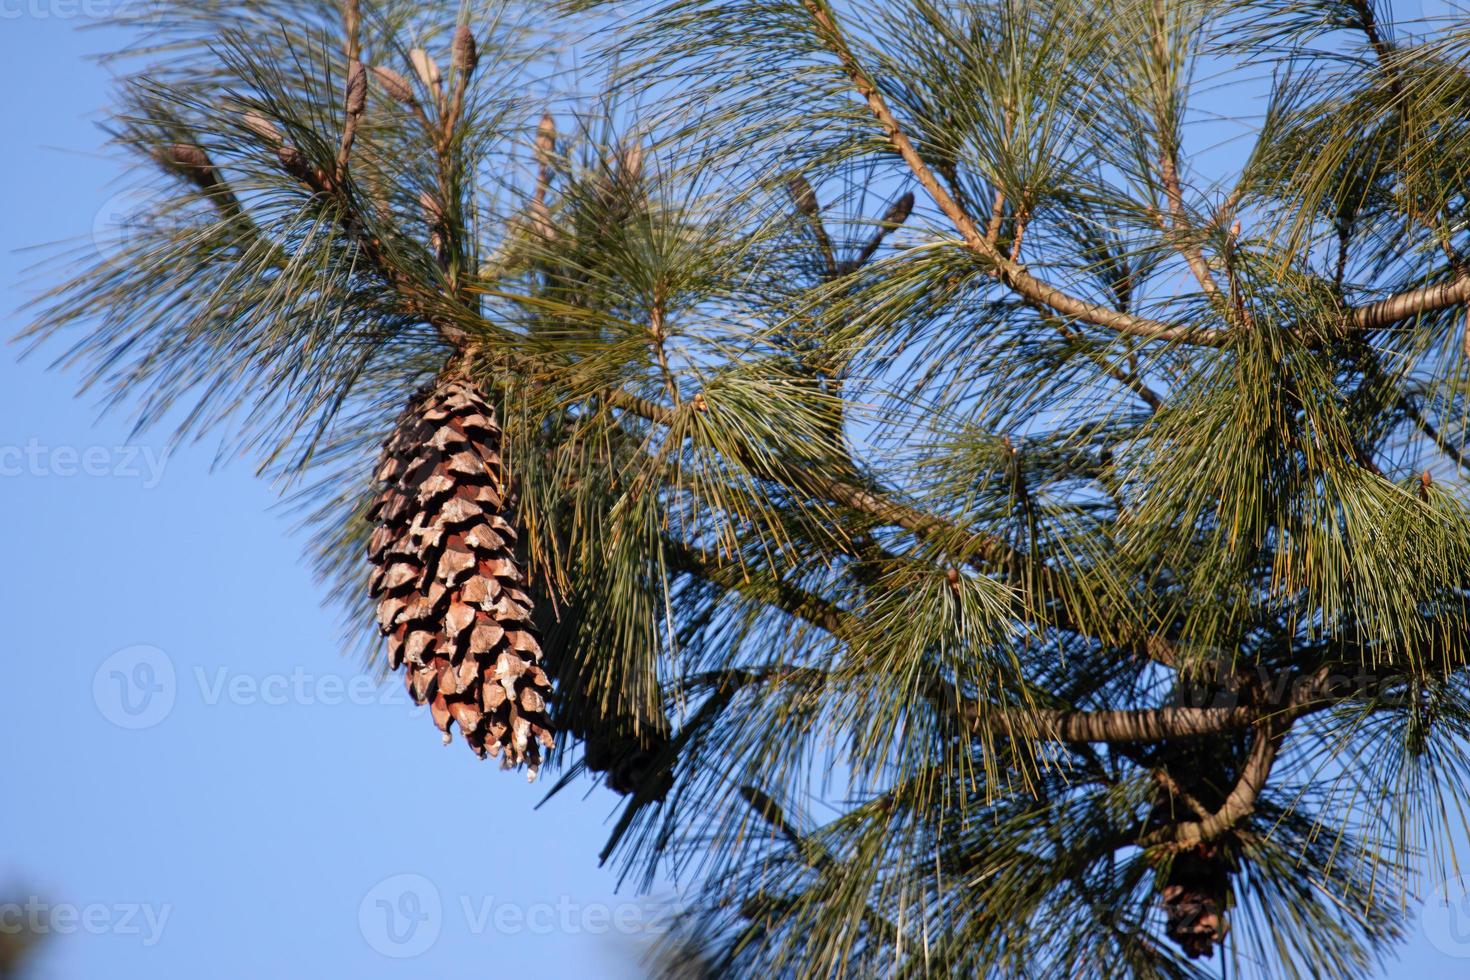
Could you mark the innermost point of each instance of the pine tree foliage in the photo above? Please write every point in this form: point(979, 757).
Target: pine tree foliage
point(982, 527)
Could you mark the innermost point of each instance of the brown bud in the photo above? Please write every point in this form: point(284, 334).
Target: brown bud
point(426, 67)
point(632, 163)
point(191, 161)
point(356, 89)
point(1425, 482)
point(699, 403)
point(900, 210)
point(433, 213)
point(463, 54)
point(294, 163)
point(1235, 229)
point(394, 84)
point(186, 156)
point(804, 196)
point(546, 140)
point(262, 127)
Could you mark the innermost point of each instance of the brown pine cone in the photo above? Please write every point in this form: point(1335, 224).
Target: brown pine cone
point(451, 594)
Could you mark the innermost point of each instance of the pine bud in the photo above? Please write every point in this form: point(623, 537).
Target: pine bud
point(426, 67)
point(186, 156)
point(356, 89)
point(632, 163)
point(294, 163)
point(464, 55)
point(804, 196)
point(191, 161)
point(394, 84)
point(433, 213)
point(262, 127)
point(1425, 482)
point(899, 212)
point(546, 140)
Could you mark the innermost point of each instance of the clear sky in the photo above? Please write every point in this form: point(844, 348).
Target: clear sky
point(198, 782)
point(195, 773)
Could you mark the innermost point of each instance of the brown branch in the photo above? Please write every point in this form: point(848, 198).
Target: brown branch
point(1427, 299)
point(1239, 804)
point(1132, 725)
point(1010, 273)
point(1179, 224)
point(656, 341)
point(997, 215)
point(1413, 302)
point(1168, 163)
point(1177, 792)
point(352, 30)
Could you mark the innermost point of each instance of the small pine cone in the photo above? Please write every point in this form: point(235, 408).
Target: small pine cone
point(426, 67)
point(262, 127)
point(898, 212)
point(1194, 899)
point(464, 55)
point(394, 84)
point(192, 162)
point(545, 140)
point(356, 97)
point(451, 596)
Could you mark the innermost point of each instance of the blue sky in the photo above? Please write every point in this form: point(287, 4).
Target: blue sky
point(199, 782)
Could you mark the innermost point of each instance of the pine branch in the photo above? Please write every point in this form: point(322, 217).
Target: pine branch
point(1007, 271)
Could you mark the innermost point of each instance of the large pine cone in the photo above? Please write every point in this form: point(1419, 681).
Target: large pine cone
point(452, 597)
